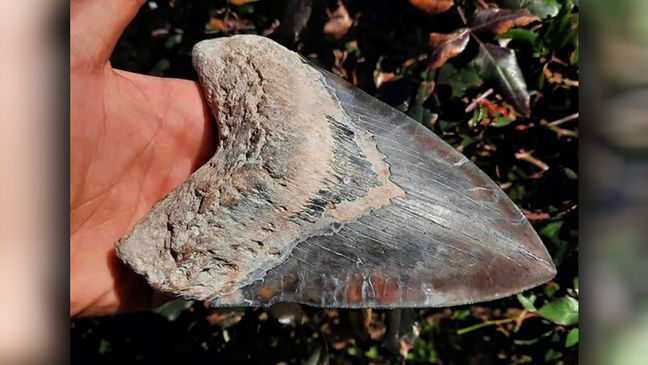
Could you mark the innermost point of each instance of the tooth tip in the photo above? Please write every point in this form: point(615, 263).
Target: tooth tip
point(546, 267)
point(547, 272)
point(542, 269)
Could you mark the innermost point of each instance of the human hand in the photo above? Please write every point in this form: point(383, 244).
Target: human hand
point(133, 138)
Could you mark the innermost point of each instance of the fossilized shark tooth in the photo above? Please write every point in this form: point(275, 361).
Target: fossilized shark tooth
point(323, 195)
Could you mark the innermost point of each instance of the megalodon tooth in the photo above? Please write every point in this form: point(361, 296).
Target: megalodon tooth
point(323, 195)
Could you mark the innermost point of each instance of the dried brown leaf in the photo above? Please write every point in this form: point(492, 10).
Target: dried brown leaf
point(241, 2)
point(339, 23)
point(499, 21)
point(383, 77)
point(432, 6)
point(405, 348)
point(536, 216)
point(224, 318)
point(446, 46)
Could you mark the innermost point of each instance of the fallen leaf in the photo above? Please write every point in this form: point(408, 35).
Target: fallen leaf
point(432, 6)
point(494, 110)
point(382, 77)
point(172, 310)
point(446, 46)
point(338, 66)
point(500, 64)
point(572, 338)
point(224, 318)
point(339, 23)
point(405, 348)
point(534, 217)
point(315, 357)
point(499, 21)
point(216, 24)
point(541, 8)
point(241, 2)
point(563, 311)
point(522, 35)
point(555, 77)
point(376, 330)
point(527, 303)
point(417, 111)
point(460, 80)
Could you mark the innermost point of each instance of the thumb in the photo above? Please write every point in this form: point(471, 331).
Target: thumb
point(95, 28)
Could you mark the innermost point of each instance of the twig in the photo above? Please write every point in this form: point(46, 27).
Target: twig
point(484, 324)
point(563, 120)
point(564, 132)
point(482, 4)
point(567, 211)
point(535, 217)
point(528, 157)
point(412, 61)
point(521, 318)
point(462, 15)
point(517, 320)
point(483, 96)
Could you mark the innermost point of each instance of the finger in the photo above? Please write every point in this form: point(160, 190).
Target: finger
point(95, 28)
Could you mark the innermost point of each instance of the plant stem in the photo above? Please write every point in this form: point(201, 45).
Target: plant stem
point(484, 324)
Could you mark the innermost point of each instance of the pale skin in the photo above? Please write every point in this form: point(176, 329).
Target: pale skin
point(133, 138)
